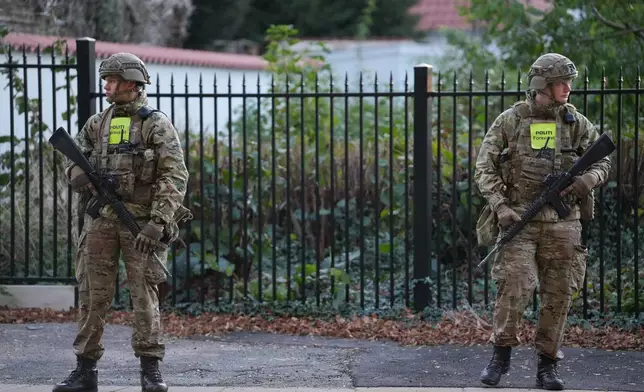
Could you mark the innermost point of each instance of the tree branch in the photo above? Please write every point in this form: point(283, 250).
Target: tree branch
point(614, 34)
point(626, 28)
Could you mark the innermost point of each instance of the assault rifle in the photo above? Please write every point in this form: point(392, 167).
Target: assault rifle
point(105, 185)
point(556, 183)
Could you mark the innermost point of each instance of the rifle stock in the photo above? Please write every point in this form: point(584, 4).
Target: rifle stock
point(105, 194)
point(601, 148)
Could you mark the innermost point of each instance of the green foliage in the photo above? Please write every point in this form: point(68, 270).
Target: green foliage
point(39, 195)
point(611, 37)
point(306, 219)
point(607, 55)
point(614, 253)
point(214, 24)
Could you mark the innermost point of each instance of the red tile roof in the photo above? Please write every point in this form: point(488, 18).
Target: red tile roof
point(149, 54)
point(435, 14)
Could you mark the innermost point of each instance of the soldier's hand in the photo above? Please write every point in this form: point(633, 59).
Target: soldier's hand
point(581, 186)
point(80, 182)
point(149, 237)
point(506, 216)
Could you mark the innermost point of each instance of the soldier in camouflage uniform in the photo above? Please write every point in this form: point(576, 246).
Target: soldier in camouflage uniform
point(140, 148)
point(541, 135)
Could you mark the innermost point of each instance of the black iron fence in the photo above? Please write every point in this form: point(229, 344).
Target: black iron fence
point(320, 190)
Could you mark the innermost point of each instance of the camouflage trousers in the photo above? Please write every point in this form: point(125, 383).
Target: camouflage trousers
point(552, 255)
point(96, 267)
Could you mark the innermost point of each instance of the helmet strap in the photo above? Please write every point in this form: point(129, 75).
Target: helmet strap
point(112, 98)
point(546, 92)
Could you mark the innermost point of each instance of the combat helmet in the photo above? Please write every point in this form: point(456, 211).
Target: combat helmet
point(549, 68)
point(126, 65)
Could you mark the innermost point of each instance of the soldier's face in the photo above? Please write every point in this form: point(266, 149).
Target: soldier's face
point(115, 88)
point(561, 90)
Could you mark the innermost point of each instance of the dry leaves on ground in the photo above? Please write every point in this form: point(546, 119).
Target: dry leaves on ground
point(460, 328)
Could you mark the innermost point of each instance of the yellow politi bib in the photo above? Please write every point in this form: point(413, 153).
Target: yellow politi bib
point(542, 133)
point(119, 130)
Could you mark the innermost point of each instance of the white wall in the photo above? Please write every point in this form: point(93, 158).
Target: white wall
point(54, 105)
point(386, 59)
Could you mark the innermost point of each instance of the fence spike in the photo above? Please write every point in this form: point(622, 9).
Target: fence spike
point(317, 84)
point(603, 77)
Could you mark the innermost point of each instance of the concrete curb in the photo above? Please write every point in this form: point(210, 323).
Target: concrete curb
point(47, 388)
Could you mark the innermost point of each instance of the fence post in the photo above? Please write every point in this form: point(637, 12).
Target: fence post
point(86, 78)
point(86, 84)
point(422, 183)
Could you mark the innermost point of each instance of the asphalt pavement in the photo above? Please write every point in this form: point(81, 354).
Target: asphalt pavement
point(41, 355)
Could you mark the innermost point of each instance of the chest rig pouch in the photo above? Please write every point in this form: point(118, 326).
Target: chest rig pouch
point(126, 155)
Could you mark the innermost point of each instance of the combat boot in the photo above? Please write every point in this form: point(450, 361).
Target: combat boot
point(498, 366)
point(151, 380)
point(82, 379)
point(547, 374)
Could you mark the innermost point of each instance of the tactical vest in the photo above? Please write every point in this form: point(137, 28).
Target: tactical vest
point(124, 152)
point(538, 147)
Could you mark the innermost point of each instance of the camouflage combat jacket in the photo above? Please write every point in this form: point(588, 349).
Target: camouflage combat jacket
point(525, 144)
point(140, 148)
